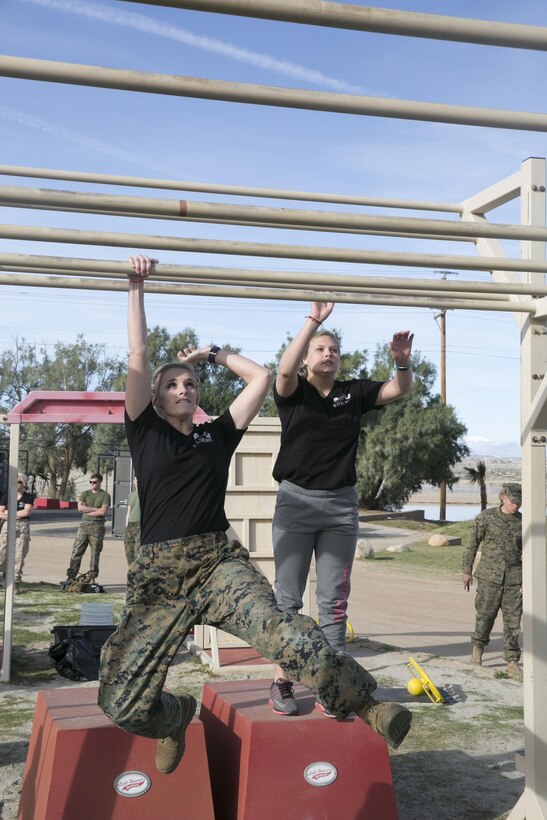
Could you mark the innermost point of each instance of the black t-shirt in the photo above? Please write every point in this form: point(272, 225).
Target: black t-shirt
point(319, 435)
point(26, 498)
point(182, 478)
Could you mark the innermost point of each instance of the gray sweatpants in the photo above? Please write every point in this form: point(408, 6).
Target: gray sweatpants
point(324, 523)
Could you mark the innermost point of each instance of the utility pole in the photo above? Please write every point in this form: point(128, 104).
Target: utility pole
point(440, 318)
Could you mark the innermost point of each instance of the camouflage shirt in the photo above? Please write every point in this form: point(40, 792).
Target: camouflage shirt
point(499, 536)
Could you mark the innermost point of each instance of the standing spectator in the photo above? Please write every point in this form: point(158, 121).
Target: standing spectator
point(317, 511)
point(498, 534)
point(132, 534)
point(94, 504)
point(187, 570)
point(25, 502)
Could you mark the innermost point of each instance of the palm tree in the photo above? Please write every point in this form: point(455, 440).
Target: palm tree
point(477, 475)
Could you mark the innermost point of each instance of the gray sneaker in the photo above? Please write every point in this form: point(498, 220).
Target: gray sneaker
point(170, 749)
point(282, 698)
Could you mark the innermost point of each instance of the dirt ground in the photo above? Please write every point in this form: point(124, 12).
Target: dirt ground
point(458, 762)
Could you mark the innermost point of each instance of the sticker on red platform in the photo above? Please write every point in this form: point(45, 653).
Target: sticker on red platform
point(320, 774)
point(132, 784)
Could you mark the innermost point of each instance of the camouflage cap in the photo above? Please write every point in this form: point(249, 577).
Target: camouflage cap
point(513, 492)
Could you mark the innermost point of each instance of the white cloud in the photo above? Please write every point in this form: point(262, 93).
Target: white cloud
point(148, 25)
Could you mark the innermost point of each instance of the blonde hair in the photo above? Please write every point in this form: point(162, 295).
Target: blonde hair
point(159, 371)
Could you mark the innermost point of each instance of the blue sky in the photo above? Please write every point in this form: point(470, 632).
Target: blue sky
point(104, 131)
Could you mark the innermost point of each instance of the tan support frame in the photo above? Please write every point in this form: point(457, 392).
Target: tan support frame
point(529, 183)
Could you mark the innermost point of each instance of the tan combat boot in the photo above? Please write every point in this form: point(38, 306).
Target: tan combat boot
point(514, 670)
point(391, 720)
point(170, 749)
point(476, 655)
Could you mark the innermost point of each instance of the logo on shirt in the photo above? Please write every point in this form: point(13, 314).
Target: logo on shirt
point(202, 438)
point(341, 401)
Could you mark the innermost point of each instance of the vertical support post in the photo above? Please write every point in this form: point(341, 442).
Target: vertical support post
point(10, 557)
point(533, 803)
point(442, 488)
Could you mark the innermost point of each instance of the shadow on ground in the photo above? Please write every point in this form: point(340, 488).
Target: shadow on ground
point(452, 785)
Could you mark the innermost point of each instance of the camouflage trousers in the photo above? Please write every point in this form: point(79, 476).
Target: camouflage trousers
point(209, 579)
point(22, 544)
point(131, 540)
point(89, 534)
point(490, 598)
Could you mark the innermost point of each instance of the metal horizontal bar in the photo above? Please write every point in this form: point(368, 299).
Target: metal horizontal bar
point(379, 20)
point(196, 87)
point(236, 281)
point(234, 190)
point(47, 280)
point(337, 281)
point(105, 210)
point(235, 277)
point(300, 219)
point(279, 251)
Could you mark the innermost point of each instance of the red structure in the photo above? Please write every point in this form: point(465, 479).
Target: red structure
point(266, 767)
point(82, 767)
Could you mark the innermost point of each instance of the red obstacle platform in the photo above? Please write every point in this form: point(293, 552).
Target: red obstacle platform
point(82, 767)
point(310, 767)
point(46, 504)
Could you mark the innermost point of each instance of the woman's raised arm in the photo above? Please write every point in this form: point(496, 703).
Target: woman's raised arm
point(138, 390)
point(256, 377)
point(287, 374)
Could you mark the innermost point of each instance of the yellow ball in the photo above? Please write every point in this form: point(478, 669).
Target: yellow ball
point(414, 687)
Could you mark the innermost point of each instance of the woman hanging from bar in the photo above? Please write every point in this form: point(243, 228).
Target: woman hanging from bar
point(188, 571)
point(317, 510)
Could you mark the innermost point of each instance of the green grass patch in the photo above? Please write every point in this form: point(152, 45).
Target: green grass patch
point(436, 727)
point(30, 667)
point(16, 711)
point(439, 562)
point(31, 637)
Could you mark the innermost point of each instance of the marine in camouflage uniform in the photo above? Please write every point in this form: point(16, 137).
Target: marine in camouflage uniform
point(94, 504)
point(498, 534)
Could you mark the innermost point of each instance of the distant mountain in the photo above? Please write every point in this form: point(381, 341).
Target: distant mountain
point(480, 446)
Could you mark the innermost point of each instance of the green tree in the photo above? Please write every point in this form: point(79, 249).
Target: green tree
point(218, 386)
point(55, 449)
point(477, 475)
point(409, 442)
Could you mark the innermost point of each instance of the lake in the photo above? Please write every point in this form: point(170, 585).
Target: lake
point(454, 512)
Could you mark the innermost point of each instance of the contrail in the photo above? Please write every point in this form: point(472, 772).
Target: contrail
point(182, 35)
point(46, 127)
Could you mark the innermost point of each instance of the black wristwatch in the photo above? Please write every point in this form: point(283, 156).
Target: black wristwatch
point(212, 357)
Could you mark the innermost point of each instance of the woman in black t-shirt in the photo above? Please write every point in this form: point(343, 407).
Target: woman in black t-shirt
point(25, 504)
point(317, 507)
point(187, 571)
